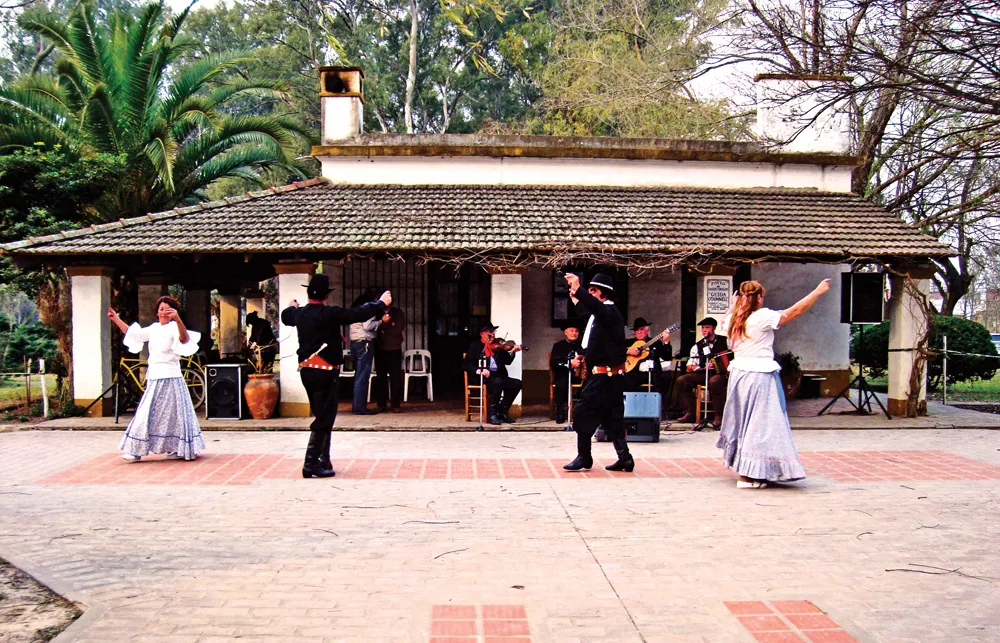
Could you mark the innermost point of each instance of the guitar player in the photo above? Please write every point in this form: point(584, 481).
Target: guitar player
point(660, 351)
point(702, 353)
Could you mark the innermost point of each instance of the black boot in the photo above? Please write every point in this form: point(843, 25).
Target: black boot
point(583, 459)
point(324, 452)
point(493, 415)
point(505, 417)
point(560, 414)
point(625, 461)
point(313, 465)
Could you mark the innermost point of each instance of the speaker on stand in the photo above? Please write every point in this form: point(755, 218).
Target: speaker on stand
point(642, 417)
point(861, 303)
point(225, 384)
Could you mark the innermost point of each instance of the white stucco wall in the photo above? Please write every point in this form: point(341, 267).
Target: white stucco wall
point(604, 172)
point(818, 338)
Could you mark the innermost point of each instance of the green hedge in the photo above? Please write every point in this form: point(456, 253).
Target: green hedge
point(963, 336)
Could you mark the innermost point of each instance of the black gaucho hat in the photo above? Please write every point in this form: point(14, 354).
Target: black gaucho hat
point(319, 286)
point(708, 321)
point(640, 322)
point(603, 282)
point(488, 328)
point(572, 323)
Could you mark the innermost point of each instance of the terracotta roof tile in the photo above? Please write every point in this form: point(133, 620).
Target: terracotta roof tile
point(318, 216)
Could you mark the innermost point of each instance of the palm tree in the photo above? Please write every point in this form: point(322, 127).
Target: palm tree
point(135, 88)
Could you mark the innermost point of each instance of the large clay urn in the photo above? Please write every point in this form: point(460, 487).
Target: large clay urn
point(261, 394)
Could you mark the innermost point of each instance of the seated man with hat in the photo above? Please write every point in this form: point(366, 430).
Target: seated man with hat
point(487, 359)
point(711, 354)
point(639, 375)
point(567, 354)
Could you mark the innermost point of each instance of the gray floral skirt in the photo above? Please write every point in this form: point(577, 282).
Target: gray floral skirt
point(164, 422)
point(756, 439)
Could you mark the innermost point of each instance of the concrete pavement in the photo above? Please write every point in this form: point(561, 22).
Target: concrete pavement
point(469, 538)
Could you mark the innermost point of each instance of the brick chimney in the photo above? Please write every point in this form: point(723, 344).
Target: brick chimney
point(342, 95)
point(800, 114)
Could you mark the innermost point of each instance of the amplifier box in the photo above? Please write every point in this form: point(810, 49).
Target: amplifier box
point(642, 430)
point(642, 417)
point(225, 384)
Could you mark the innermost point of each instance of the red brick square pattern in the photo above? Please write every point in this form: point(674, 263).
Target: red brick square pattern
point(787, 622)
point(247, 468)
point(479, 624)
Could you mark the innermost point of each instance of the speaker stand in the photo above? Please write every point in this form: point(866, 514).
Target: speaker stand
point(865, 397)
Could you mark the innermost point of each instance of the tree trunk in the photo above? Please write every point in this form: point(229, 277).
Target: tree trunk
point(411, 76)
point(55, 310)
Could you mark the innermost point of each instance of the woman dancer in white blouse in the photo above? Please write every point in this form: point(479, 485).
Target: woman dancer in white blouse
point(756, 438)
point(165, 421)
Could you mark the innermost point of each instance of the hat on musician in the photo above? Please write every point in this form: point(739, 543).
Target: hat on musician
point(318, 287)
point(489, 327)
point(602, 281)
point(708, 321)
point(572, 323)
point(640, 322)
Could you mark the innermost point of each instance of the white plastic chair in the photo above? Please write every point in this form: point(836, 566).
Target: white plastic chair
point(417, 363)
point(371, 378)
point(347, 368)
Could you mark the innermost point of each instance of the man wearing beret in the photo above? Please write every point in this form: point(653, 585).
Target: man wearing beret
point(702, 353)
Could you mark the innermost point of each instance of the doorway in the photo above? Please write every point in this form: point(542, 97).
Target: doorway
point(458, 306)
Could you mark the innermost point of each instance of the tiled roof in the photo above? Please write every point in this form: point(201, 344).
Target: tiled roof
point(318, 216)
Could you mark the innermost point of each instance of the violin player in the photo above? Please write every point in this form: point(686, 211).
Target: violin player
point(566, 354)
point(489, 357)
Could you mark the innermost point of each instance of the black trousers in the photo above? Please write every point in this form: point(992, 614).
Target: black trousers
point(717, 385)
point(502, 391)
point(601, 404)
point(389, 377)
point(561, 386)
point(324, 395)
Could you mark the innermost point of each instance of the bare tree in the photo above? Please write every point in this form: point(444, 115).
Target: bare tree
point(924, 97)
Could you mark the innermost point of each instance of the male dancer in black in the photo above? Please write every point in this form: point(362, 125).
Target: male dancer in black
point(318, 327)
point(601, 401)
point(501, 388)
point(566, 354)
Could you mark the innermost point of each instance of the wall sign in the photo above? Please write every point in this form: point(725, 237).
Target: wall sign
point(717, 293)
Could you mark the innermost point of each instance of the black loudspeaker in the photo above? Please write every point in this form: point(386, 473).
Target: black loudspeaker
point(225, 384)
point(861, 297)
point(642, 417)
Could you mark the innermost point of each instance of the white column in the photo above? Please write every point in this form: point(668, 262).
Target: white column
point(230, 329)
point(505, 310)
point(90, 289)
point(906, 325)
point(291, 278)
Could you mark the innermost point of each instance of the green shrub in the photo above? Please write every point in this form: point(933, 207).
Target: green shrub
point(789, 363)
point(964, 336)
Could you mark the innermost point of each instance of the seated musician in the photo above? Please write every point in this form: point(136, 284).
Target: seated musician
point(640, 373)
point(702, 353)
point(566, 354)
point(485, 357)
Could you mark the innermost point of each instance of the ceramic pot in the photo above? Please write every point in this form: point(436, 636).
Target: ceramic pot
point(261, 394)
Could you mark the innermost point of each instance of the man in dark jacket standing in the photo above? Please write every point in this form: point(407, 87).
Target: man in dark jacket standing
point(389, 359)
point(601, 399)
point(485, 359)
point(320, 356)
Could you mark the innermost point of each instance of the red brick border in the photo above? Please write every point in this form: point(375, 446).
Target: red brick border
point(479, 624)
point(787, 622)
point(246, 468)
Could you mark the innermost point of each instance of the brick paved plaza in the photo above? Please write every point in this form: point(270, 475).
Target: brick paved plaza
point(475, 538)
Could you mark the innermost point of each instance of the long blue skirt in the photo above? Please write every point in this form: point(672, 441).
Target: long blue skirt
point(164, 422)
point(756, 439)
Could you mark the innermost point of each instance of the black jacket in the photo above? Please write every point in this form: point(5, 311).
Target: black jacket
point(720, 345)
point(606, 345)
point(560, 356)
point(471, 362)
point(318, 324)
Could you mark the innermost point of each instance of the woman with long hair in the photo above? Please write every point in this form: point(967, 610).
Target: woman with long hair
point(164, 421)
point(756, 437)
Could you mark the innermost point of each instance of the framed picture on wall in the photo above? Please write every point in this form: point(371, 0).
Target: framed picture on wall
point(717, 293)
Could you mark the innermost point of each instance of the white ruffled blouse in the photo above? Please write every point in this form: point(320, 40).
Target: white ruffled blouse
point(165, 347)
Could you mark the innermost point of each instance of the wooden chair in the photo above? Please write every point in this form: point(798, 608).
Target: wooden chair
point(702, 403)
point(473, 393)
point(552, 389)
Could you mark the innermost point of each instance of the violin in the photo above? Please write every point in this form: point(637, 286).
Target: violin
point(507, 345)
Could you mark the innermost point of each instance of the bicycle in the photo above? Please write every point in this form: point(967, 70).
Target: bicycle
point(135, 384)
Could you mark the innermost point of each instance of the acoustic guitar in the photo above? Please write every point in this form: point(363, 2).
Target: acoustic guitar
point(631, 362)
